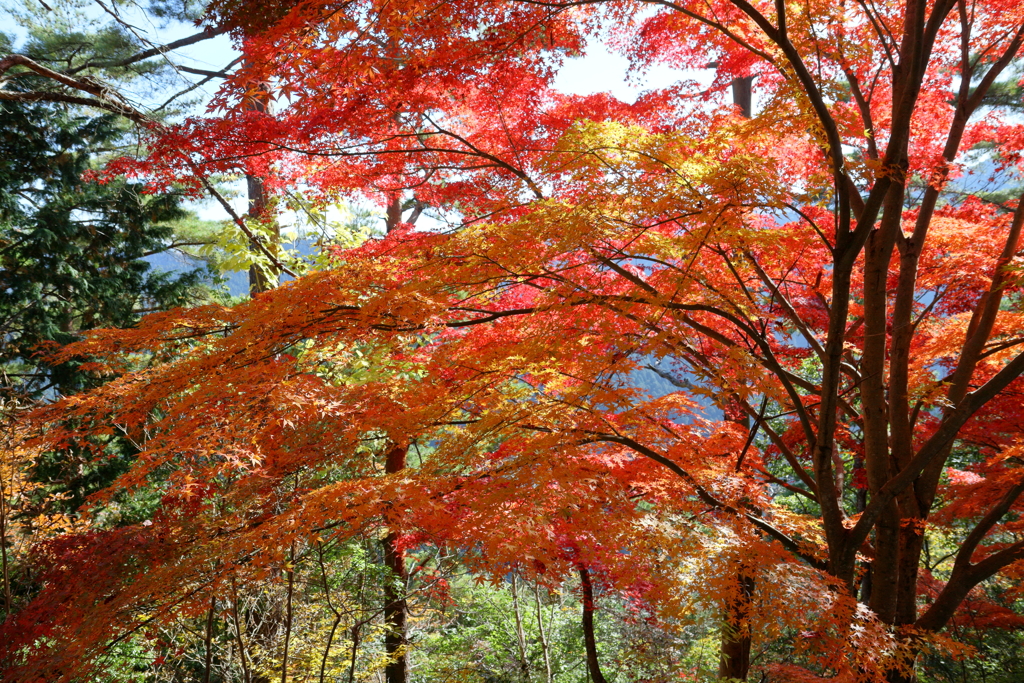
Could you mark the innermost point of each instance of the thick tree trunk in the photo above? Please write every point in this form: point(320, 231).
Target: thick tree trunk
point(742, 95)
point(734, 651)
point(259, 279)
point(734, 660)
point(395, 612)
point(878, 458)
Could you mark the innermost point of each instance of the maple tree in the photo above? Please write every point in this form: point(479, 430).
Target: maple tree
point(841, 319)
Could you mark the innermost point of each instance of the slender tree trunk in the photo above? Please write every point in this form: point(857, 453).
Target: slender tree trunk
point(355, 652)
point(288, 614)
point(589, 641)
point(330, 605)
point(243, 655)
point(209, 640)
point(396, 642)
point(524, 667)
point(357, 628)
point(545, 648)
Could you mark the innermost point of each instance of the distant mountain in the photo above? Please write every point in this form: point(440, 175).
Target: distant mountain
point(237, 282)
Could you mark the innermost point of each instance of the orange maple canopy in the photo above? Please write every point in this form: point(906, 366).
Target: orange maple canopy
point(839, 322)
point(267, 423)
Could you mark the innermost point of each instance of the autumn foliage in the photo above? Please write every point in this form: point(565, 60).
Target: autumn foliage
point(840, 318)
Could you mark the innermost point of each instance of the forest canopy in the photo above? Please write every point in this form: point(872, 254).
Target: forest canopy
point(435, 451)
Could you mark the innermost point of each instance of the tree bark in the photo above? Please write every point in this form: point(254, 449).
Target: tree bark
point(590, 642)
point(544, 647)
point(209, 640)
point(288, 614)
point(396, 642)
point(734, 660)
point(243, 655)
point(259, 279)
point(742, 95)
point(524, 667)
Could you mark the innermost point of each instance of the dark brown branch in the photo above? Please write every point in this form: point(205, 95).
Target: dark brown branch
point(966, 575)
point(706, 496)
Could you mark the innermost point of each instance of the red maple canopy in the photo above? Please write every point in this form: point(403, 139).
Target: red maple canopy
point(842, 321)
